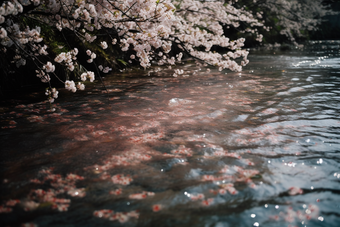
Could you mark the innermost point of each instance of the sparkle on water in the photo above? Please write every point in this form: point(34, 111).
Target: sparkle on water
point(256, 148)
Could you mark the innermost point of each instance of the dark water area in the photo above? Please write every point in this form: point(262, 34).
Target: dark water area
point(206, 148)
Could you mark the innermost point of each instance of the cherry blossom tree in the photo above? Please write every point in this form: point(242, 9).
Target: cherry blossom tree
point(147, 31)
point(293, 18)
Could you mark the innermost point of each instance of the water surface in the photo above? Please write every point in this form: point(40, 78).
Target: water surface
point(207, 148)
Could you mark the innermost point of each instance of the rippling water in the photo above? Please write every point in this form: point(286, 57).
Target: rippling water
point(208, 148)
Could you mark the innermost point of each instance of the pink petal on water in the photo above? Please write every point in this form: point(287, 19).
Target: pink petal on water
point(157, 207)
point(295, 191)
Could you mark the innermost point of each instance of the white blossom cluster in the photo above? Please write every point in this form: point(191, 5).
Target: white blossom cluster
point(91, 55)
point(52, 94)
point(104, 70)
point(67, 59)
point(200, 25)
point(88, 75)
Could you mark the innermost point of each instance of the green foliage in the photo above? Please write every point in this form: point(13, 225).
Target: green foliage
point(257, 176)
point(122, 61)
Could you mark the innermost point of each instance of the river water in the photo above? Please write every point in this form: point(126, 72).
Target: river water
point(206, 148)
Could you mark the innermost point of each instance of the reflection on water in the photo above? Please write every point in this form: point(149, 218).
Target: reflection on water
point(257, 148)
